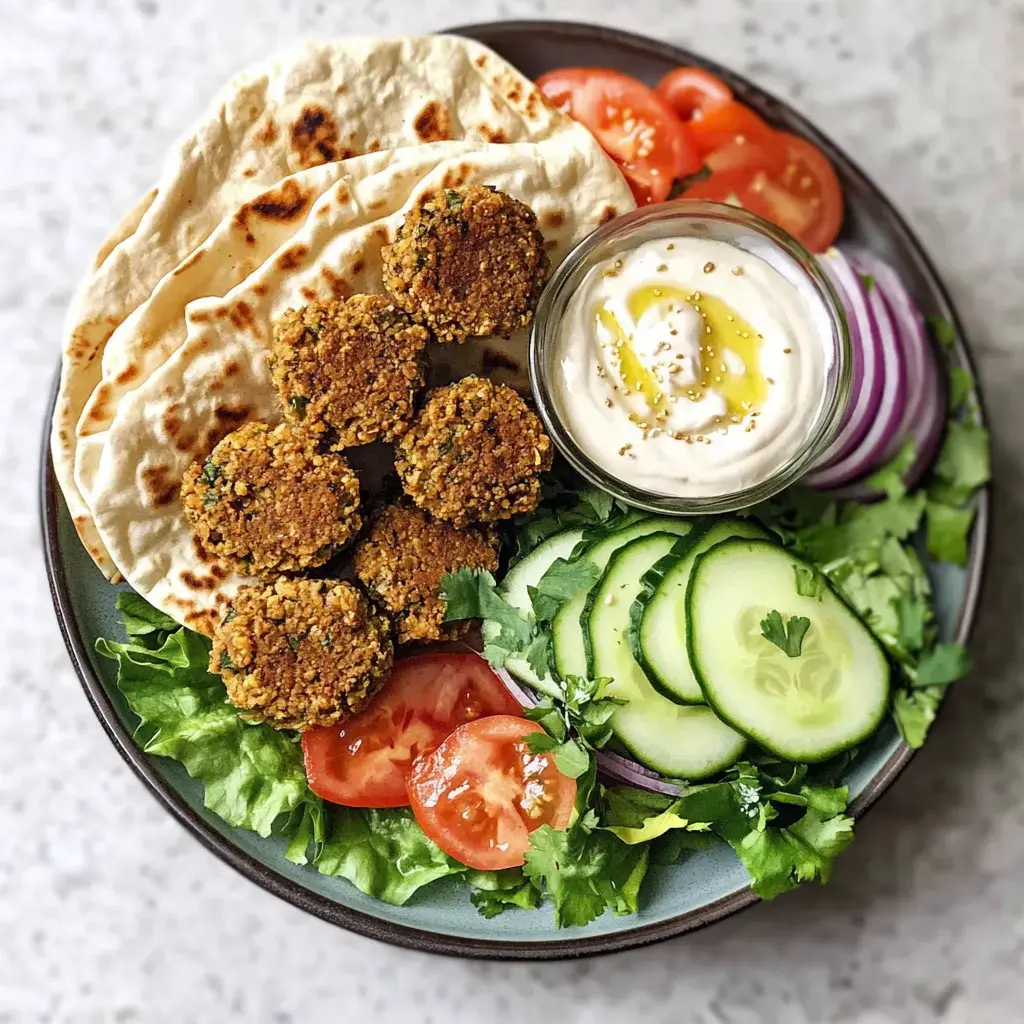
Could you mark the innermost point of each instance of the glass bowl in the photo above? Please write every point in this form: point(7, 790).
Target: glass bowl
point(718, 222)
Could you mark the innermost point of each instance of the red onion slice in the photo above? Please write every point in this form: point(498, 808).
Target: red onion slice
point(911, 332)
point(621, 769)
point(891, 407)
point(866, 357)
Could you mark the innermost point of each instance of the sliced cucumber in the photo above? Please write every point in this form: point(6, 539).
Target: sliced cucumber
point(515, 588)
point(677, 740)
point(567, 632)
point(658, 623)
point(828, 698)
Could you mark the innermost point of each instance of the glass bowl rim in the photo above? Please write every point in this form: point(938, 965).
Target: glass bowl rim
point(554, 302)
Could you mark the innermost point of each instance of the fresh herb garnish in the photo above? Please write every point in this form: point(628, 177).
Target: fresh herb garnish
point(562, 580)
point(789, 638)
point(473, 594)
point(680, 185)
point(868, 281)
point(943, 664)
point(809, 582)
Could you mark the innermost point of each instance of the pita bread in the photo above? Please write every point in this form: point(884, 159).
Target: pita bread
point(218, 378)
point(313, 105)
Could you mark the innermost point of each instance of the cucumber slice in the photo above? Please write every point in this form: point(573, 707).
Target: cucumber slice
point(830, 697)
point(515, 588)
point(658, 623)
point(567, 632)
point(677, 740)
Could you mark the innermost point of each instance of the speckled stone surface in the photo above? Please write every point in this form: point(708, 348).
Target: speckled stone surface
point(110, 912)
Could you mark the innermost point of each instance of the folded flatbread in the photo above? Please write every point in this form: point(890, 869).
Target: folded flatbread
point(249, 171)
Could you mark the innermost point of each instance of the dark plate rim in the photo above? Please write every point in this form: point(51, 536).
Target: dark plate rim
point(574, 945)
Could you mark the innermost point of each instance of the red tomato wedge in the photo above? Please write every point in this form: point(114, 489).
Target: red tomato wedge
point(690, 91)
point(633, 124)
point(365, 760)
point(803, 198)
point(481, 793)
point(811, 184)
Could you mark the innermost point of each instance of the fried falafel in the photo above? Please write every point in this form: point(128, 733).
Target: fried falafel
point(349, 369)
point(271, 501)
point(298, 653)
point(467, 263)
point(474, 453)
point(403, 559)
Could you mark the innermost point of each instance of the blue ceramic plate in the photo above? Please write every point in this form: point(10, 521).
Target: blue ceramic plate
point(702, 889)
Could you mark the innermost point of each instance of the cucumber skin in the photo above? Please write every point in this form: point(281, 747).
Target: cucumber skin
point(820, 756)
point(649, 583)
point(589, 604)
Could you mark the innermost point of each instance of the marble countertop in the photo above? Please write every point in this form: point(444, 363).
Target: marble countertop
point(110, 912)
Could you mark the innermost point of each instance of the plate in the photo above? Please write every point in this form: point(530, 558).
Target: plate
point(706, 887)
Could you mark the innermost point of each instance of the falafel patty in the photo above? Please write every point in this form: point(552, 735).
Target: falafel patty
point(299, 653)
point(349, 368)
point(269, 499)
point(403, 560)
point(474, 453)
point(467, 263)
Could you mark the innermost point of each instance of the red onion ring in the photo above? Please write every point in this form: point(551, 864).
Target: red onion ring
point(868, 453)
point(866, 357)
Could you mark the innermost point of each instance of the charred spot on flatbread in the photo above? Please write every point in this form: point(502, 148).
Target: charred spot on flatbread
point(315, 138)
point(433, 123)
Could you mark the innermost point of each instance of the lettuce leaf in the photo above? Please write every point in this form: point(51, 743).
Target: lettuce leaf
point(383, 853)
point(252, 775)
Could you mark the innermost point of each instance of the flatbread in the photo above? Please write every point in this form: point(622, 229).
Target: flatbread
point(218, 378)
point(316, 103)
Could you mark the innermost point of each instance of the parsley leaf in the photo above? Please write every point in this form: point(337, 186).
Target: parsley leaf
point(473, 594)
point(809, 582)
point(914, 712)
point(561, 581)
point(942, 665)
point(964, 457)
point(942, 330)
point(570, 758)
point(859, 527)
point(961, 387)
point(948, 532)
point(585, 873)
point(912, 616)
point(889, 479)
point(496, 891)
point(788, 638)
point(868, 281)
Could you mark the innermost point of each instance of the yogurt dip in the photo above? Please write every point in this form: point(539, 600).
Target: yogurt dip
point(689, 367)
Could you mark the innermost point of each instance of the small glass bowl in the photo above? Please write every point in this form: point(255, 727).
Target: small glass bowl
point(718, 222)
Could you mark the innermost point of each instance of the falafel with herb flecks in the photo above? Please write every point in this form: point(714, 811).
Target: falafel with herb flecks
point(298, 653)
point(403, 559)
point(349, 369)
point(467, 263)
point(268, 499)
point(474, 453)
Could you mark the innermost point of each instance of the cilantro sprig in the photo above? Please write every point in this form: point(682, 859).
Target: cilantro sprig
point(787, 636)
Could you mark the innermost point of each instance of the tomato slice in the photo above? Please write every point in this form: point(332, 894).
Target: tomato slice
point(365, 760)
point(803, 198)
point(633, 124)
point(481, 793)
point(811, 182)
point(690, 91)
point(723, 123)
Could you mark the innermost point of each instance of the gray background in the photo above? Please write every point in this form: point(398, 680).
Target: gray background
point(110, 912)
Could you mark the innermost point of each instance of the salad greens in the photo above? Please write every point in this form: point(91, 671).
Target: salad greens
point(786, 822)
